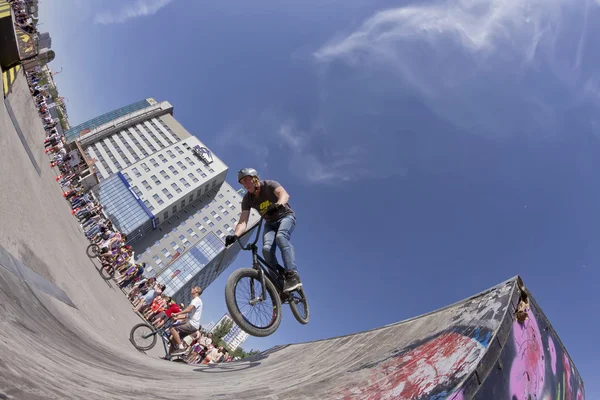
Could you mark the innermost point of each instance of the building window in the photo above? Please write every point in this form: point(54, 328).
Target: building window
point(167, 193)
point(126, 176)
point(146, 185)
point(220, 195)
point(155, 179)
point(227, 202)
point(148, 205)
point(199, 193)
point(158, 200)
point(191, 198)
point(154, 163)
point(218, 218)
point(203, 230)
point(180, 164)
point(170, 154)
point(178, 149)
point(137, 190)
point(136, 172)
point(146, 169)
point(193, 177)
point(176, 187)
point(205, 219)
point(225, 212)
point(226, 226)
point(211, 224)
point(166, 215)
point(174, 208)
point(164, 174)
point(182, 203)
point(166, 252)
point(198, 225)
point(185, 183)
point(190, 161)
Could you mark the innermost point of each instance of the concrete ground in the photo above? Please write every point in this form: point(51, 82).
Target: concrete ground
point(64, 331)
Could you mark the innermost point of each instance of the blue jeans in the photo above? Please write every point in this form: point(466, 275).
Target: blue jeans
point(279, 232)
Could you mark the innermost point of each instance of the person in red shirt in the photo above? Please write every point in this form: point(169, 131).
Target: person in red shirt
point(162, 317)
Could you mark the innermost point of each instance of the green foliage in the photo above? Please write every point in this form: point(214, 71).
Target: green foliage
point(221, 331)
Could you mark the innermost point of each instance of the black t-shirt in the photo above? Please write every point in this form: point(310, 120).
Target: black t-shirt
point(265, 198)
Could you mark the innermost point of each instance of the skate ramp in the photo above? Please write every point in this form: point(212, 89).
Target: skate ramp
point(64, 331)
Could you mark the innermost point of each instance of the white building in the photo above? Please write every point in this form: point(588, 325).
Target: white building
point(166, 191)
point(235, 337)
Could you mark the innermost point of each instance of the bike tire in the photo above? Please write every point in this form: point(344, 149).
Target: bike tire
point(234, 311)
point(132, 337)
point(107, 274)
point(92, 250)
point(303, 319)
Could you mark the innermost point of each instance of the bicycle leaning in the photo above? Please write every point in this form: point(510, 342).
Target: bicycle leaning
point(261, 288)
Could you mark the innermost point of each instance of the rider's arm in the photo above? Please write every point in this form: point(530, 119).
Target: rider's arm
point(282, 196)
point(241, 225)
point(186, 310)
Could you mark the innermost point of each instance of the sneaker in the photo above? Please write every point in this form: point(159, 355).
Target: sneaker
point(177, 352)
point(292, 281)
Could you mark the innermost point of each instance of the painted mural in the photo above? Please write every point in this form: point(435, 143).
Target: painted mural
point(533, 365)
point(433, 367)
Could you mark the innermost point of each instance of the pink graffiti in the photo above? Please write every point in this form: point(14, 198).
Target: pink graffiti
point(567, 367)
point(457, 396)
point(552, 350)
point(579, 394)
point(528, 369)
point(421, 372)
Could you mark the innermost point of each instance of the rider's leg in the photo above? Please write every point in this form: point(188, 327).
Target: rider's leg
point(282, 240)
point(269, 246)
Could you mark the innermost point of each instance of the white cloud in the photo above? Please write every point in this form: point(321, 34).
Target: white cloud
point(336, 165)
point(140, 8)
point(469, 60)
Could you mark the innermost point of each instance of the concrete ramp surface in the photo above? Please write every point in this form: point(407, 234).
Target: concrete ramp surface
point(64, 331)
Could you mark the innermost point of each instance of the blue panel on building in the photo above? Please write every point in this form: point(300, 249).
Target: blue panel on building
point(122, 207)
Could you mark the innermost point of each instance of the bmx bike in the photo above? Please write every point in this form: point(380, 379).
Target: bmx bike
point(258, 292)
point(143, 337)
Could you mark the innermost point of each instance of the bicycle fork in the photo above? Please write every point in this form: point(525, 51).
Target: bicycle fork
point(263, 294)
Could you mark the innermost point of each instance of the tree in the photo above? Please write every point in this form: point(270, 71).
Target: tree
point(221, 331)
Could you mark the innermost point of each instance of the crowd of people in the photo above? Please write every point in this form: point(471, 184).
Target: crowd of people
point(181, 324)
point(22, 19)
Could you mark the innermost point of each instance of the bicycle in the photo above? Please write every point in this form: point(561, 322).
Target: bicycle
point(271, 281)
point(146, 331)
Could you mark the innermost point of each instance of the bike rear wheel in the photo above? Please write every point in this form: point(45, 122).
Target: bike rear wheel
point(92, 250)
point(299, 306)
point(238, 296)
point(142, 336)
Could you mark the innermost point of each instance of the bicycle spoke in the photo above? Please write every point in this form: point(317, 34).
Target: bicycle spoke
point(259, 314)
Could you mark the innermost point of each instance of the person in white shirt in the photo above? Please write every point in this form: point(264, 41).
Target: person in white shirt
point(191, 326)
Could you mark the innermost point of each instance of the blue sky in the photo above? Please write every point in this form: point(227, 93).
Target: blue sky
point(431, 149)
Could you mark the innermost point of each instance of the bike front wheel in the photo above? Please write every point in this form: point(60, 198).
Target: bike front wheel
point(255, 316)
point(107, 272)
point(143, 337)
point(299, 306)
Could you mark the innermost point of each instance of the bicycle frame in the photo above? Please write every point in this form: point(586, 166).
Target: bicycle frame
point(259, 264)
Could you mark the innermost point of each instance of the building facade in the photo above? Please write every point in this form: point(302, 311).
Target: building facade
point(81, 129)
point(235, 337)
point(164, 189)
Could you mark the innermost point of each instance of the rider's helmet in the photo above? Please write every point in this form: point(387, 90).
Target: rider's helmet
point(249, 172)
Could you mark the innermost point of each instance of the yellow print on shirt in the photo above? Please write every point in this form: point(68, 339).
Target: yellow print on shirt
point(263, 207)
